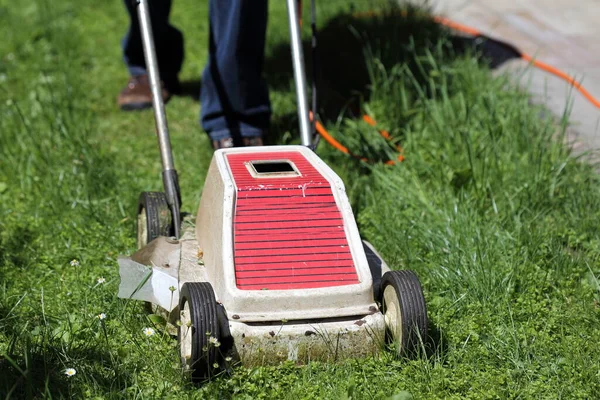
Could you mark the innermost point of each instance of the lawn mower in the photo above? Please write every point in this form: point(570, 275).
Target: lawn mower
point(272, 268)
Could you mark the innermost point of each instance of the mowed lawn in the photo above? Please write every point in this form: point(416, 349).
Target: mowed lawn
point(490, 209)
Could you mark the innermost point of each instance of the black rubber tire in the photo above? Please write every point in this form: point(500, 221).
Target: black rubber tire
point(154, 213)
point(204, 325)
point(413, 311)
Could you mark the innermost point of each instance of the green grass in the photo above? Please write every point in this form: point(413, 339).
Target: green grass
point(491, 210)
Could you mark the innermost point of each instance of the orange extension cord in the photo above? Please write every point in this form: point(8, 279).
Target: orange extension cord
point(329, 139)
point(470, 31)
point(526, 57)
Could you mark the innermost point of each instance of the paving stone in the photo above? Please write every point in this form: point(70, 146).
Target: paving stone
point(559, 32)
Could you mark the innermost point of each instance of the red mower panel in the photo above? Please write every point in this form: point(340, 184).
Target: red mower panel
point(288, 230)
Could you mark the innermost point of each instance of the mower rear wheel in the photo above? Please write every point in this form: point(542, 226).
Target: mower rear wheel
point(154, 218)
point(404, 311)
point(199, 333)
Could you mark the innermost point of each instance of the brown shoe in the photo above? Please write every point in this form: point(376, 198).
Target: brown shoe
point(223, 143)
point(252, 141)
point(137, 95)
point(228, 142)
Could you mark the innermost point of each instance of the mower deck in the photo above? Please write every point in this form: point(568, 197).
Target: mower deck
point(166, 262)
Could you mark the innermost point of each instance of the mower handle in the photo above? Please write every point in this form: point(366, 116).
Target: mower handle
point(299, 74)
point(169, 174)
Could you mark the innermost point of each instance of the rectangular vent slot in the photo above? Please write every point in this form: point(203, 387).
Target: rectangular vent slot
point(273, 168)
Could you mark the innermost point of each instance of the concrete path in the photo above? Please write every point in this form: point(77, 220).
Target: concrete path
point(562, 33)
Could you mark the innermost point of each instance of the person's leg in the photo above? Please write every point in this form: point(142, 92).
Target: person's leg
point(234, 95)
point(168, 42)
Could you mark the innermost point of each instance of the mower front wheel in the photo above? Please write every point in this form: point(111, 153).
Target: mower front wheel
point(199, 332)
point(154, 218)
point(404, 311)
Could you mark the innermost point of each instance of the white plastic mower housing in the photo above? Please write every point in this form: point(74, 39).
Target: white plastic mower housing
point(274, 268)
point(278, 237)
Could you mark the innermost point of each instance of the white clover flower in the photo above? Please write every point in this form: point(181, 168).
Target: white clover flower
point(101, 316)
point(215, 365)
point(214, 341)
point(228, 359)
point(70, 372)
point(148, 332)
point(100, 280)
point(172, 288)
point(74, 263)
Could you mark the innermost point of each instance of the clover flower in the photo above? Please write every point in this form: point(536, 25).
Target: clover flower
point(100, 280)
point(74, 263)
point(70, 372)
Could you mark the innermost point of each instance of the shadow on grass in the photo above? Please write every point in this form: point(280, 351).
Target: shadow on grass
point(436, 344)
point(347, 43)
point(492, 52)
point(190, 89)
point(343, 50)
point(37, 381)
point(17, 248)
point(41, 374)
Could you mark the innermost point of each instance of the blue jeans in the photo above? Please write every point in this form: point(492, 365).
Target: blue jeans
point(234, 96)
